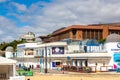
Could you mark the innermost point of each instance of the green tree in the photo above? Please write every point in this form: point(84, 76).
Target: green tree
point(102, 41)
point(3, 55)
point(13, 44)
point(3, 46)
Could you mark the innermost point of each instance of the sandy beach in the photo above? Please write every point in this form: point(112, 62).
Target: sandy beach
point(74, 77)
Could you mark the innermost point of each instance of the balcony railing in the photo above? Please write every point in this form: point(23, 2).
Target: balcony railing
point(80, 51)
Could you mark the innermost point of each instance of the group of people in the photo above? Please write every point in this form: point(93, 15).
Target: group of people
point(31, 67)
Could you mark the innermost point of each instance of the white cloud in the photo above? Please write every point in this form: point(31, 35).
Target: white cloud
point(1, 32)
point(7, 29)
point(5, 22)
point(8, 38)
point(61, 13)
point(1, 1)
point(20, 7)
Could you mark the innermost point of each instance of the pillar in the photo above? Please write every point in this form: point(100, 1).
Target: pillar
point(70, 35)
point(78, 62)
point(14, 70)
point(83, 63)
point(105, 31)
point(73, 63)
point(79, 35)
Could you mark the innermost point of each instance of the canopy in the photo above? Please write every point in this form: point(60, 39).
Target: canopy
point(5, 61)
point(89, 42)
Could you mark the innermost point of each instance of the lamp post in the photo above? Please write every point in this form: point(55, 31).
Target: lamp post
point(45, 59)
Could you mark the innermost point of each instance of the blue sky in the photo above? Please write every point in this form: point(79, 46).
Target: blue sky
point(41, 17)
point(13, 7)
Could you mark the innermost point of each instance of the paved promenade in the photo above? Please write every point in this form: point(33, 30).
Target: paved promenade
point(58, 75)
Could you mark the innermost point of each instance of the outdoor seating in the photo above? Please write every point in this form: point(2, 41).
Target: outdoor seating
point(77, 69)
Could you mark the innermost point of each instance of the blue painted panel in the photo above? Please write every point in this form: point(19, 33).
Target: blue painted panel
point(53, 64)
point(41, 61)
point(116, 57)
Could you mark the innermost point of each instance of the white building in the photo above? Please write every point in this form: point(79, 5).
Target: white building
point(8, 70)
point(25, 55)
point(76, 53)
point(28, 37)
point(9, 52)
point(113, 47)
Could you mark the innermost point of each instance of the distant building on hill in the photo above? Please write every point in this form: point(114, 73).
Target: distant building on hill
point(28, 37)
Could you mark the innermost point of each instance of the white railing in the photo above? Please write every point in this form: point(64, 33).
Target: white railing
point(17, 78)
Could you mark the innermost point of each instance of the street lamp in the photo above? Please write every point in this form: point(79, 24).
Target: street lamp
point(45, 59)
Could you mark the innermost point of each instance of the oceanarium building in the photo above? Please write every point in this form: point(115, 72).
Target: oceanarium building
point(80, 53)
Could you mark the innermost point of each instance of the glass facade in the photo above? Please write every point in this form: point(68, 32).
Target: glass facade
point(92, 34)
point(114, 31)
point(40, 52)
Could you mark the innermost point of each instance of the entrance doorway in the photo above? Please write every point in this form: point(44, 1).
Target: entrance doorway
point(55, 64)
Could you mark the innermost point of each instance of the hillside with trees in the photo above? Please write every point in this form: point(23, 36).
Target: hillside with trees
point(13, 44)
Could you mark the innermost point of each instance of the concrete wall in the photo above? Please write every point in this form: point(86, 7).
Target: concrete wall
point(72, 48)
point(4, 70)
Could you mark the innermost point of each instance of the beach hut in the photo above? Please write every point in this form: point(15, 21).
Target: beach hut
point(7, 68)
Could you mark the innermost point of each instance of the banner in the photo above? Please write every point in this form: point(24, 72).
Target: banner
point(57, 50)
point(116, 57)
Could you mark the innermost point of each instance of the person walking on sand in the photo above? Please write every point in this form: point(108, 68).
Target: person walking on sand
point(61, 68)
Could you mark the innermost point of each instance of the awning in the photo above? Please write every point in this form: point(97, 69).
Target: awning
point(5, 61)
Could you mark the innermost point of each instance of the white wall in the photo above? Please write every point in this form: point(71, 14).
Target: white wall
point(72, 48)
point(9, 54)
point(112, 47)
point(4, 69)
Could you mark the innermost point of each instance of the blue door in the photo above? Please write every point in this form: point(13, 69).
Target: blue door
point(53, 64)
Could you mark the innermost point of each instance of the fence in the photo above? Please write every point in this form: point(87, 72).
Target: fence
point(3, 76)
point(17, 78)
point(105, 68)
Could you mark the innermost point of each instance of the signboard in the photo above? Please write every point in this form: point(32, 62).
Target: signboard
point(57, 50)
point(117, 48)
point(118, 45)
point(68, 58)
point(21, 46)
point(116, 57)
